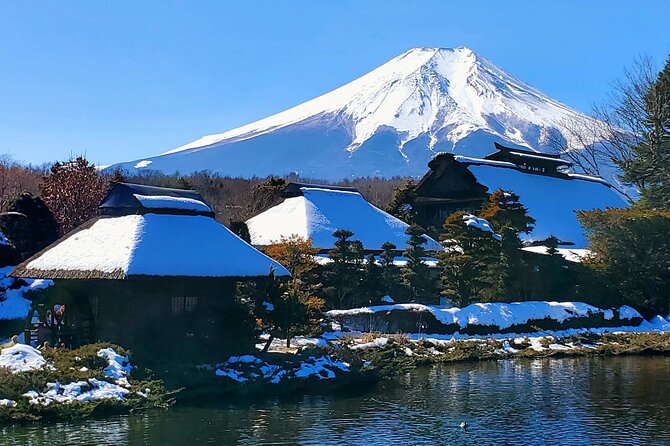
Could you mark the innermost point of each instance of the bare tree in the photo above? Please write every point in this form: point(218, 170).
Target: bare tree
point(604, 140)
point(16, 178)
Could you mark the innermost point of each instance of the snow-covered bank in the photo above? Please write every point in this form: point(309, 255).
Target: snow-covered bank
point(21, 358)
point(24, 358)
point(483, 318)
point(358, 340)
point(60, 383)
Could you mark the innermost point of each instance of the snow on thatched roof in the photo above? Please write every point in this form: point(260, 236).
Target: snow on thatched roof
point(118, 247)
point(571, 255)
point(552, 201)
point(128, 198)
point(320, 210)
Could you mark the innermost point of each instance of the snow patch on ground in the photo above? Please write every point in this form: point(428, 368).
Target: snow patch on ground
point(507, 348)
point(83, 391)
point(626, 312)
point(321, 368)
point(297, 342)
point(119, 367)
point(232, 374)
point(21, 358)
point(379, 342)
point(511, 343)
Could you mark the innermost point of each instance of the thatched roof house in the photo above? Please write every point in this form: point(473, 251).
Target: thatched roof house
point(551, 193)
point(153, 267)
point(316, 211)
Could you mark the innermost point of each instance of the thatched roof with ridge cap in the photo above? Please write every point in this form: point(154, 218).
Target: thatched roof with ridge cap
point(149, 242)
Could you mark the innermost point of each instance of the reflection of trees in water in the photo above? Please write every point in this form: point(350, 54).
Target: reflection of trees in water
point(568, 400)
point(110, 431)
point(504, 397)
point(631, 394)
point(547, 401)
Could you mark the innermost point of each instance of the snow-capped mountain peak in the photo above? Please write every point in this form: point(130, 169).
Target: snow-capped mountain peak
point(388, 122)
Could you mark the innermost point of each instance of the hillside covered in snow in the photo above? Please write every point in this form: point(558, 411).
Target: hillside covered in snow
point(388, 122)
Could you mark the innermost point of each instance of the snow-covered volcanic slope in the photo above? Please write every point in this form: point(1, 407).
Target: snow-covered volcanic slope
point(388, 122)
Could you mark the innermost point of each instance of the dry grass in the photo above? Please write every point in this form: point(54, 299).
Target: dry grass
point(589, 344)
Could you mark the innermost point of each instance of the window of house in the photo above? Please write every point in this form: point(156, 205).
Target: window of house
point(183, 304)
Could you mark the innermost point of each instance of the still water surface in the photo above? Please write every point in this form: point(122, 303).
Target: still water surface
point(573, 401)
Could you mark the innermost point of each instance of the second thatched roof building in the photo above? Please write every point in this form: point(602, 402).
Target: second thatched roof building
point(316, 211)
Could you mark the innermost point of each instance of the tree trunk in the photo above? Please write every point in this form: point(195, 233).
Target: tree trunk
point(266, 347)
point(288, 340)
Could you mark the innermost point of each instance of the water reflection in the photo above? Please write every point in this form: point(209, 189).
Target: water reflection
point(565, 401)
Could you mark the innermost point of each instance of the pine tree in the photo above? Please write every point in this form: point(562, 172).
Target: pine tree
point(343, 275)
point(508, 217)
point(402, 205)
point(415, 274)
point(503, 210)
point(555, 277)
point(649, 167)
point(283, 310)
point(470, 265)
point(390, 273)
point(631, 256)
point(372, 283)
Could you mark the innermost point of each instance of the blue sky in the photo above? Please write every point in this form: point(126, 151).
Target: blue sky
point(122, 80)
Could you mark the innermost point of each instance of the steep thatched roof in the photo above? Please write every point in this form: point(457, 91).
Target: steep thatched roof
point(151, 232)
point(315, 212)
point(551, 199)
point(149, 245)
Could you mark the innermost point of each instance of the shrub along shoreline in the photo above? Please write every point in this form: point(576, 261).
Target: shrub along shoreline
point(58, 383)
point(53, 384)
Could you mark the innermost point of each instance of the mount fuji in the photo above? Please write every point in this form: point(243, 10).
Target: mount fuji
point(388, 122)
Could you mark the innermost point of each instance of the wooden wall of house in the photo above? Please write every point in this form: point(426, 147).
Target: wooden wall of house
point(170, 319)
point(448, 188)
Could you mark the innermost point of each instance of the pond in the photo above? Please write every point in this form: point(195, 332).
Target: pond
point(527, 402)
